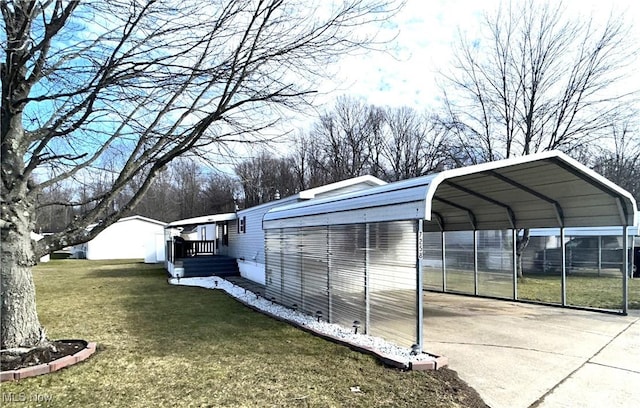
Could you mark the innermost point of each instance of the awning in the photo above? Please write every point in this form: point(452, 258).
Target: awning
point(205, 219)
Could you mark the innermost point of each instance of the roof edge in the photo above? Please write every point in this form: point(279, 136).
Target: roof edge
point(203, 219)
point(141, 217)
point(312, 192)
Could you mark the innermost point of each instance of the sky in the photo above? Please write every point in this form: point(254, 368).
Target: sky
point(427, 30)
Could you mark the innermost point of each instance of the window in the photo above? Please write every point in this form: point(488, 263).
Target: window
point(242, 225)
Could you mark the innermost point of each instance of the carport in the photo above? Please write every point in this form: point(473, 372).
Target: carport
point(364, 258)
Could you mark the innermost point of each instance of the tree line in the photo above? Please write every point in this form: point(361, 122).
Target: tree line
point(351, 139)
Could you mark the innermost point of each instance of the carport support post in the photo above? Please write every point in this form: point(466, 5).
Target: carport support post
point(514, 259)
point(625, 271)
point(599, 254)
point(475, 262)
point(563, 269)
point(419, 299)
point(444, 262)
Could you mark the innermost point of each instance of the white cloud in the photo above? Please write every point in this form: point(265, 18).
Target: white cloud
point(427, 32)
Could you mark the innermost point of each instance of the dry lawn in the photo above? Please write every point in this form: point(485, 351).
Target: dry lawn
point(168, 346)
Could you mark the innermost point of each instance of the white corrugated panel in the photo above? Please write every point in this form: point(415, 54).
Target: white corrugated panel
point(249, 245)
point(432, 260)
point(273, 270)
point(392, 281)
point(347, 274)
point(315, 272)
point(459, 262)
point(495, 269)
point(291, 268)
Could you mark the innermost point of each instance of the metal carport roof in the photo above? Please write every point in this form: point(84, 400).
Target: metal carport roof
point(536, 191)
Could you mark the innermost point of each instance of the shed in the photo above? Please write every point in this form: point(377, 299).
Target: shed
point(134, 237)
point(363, 256)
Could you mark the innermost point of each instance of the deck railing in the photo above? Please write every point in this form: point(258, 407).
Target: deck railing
point(177, 249)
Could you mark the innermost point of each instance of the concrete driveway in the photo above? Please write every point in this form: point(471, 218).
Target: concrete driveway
point(519, 355)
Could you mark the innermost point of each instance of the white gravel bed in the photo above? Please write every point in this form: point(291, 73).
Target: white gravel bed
point(380, 345)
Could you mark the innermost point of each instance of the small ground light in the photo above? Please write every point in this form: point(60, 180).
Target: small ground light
point(216, 282)
point(415, 349)
point(356, 326)
point(319, 315)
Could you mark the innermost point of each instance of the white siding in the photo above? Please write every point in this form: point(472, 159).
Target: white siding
point(249, 245)
point(206, 232)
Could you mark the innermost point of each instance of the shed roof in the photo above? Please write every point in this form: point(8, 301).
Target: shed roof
point(131, 218)
point(141, 218)
point(536, 191)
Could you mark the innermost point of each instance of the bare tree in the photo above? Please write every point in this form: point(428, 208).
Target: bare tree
point(622, 164)
point(265, 177)
point(344, 136)
point(187, 188)
point(410, 145)
point(308, 160)
point(54, 211)
point(145, 82)
point(537, 80)
point(220, 192)
point(353, 139)
point(160, 200)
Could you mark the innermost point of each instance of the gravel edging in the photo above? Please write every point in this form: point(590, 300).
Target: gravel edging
point(388, 353)
point(46, 368)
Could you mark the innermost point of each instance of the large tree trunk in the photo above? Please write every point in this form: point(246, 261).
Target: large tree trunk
point(19, 318)
point(20, 324)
